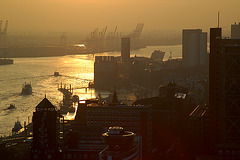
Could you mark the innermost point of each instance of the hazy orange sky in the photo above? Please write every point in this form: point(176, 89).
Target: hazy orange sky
point(85, 15)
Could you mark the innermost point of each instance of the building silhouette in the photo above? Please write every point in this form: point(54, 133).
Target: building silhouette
point(121, 145)
point(224, 94)
point(125, 49)
point(194, 47)
point(45, 131)
point(137, 118)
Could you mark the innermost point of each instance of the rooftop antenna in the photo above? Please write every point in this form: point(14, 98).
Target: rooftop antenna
point(218, 19)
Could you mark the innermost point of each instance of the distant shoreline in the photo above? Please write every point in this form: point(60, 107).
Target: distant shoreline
point(35, 52)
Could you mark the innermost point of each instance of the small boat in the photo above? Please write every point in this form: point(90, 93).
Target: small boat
point(12, 106)
point(56, 74)
point(26, 89)
point(16, 127)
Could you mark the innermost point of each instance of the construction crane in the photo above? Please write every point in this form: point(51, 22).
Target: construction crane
point(104, 32)
point(114, 32)
point(137, 32)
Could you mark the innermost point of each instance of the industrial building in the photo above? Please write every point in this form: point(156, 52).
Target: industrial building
point(194, 47)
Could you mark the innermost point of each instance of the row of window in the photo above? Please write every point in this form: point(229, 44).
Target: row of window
point(128, 118)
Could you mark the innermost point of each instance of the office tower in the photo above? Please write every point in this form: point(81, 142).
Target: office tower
point(121, 145)
point(235, 31)
point(194, 47)
point(125, 49)
point(105, 71)
point(224, 94)
point(45, 127)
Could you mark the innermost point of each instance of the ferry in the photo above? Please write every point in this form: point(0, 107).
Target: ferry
point(26, 89)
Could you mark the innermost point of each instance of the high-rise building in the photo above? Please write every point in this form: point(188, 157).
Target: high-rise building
point(235, 31)
point(45, 131)
point(224, 94)
point(105, 71)
point(194, 47)
point(125, 49)
point(121, 145)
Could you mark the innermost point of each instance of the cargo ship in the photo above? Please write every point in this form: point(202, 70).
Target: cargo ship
point(5, 61)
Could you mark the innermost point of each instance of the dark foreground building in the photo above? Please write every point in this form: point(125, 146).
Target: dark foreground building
point(46, 127)
point(224, 95)
point(136, 118)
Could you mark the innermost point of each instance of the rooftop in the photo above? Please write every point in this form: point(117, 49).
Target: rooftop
point(45, 103)
point(199, 111)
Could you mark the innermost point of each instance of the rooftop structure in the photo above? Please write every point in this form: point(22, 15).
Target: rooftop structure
point(224, 93)
point(121, 145)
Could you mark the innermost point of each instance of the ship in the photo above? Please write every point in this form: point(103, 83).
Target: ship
point(17, 127)
point(26, 89)
point(56, 74)
point(12, 106)
point(5, 61)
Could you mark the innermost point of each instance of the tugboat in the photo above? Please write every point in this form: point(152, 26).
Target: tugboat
point(26, 89)
point(12, 106)
point(16, 127)
point(56, 74)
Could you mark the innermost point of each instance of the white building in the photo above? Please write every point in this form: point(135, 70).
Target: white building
point(194, 47)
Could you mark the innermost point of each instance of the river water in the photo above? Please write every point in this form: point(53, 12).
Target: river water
point(76, 70)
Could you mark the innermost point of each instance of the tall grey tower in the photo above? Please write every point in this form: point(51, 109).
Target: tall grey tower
point(125, 49)
point(194, 47)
